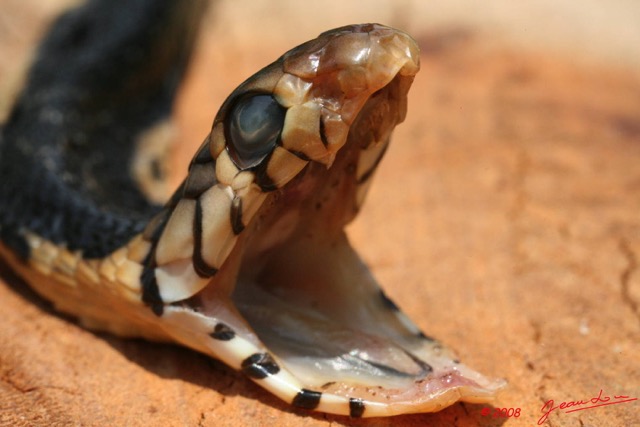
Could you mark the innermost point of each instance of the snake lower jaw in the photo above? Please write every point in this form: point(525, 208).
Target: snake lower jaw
point(316, 310)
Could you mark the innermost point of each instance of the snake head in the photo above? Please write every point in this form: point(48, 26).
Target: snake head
point(250, 262)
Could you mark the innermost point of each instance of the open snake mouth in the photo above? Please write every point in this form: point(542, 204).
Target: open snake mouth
point(291, 285)
point(304, 292)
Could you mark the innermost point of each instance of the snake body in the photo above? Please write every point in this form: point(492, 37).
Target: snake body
point(247, 261)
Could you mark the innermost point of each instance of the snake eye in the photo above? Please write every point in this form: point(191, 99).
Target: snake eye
point(254, 126)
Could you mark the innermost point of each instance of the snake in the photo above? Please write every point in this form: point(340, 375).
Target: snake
point(247, 261)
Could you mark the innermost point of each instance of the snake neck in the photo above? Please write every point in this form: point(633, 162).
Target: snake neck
point(102, 77)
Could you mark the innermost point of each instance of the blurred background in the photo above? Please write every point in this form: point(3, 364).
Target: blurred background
point(248, 32)
point(607, 30)
point(503, 220)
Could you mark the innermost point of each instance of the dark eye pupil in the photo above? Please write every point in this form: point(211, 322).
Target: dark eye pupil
point(254, 126)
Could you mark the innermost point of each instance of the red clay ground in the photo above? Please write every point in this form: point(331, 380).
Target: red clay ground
point(505, 221)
